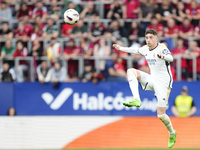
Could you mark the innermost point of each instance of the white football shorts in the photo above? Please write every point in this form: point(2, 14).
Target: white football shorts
point(162, 90)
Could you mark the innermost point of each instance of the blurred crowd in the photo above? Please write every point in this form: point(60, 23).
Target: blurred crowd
point(36, 21)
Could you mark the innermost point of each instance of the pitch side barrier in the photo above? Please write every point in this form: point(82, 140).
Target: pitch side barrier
point(104, 98)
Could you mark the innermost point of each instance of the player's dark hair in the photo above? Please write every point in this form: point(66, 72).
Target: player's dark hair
point(151, 31)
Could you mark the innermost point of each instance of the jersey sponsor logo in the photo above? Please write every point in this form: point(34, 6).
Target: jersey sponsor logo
point(151, 61)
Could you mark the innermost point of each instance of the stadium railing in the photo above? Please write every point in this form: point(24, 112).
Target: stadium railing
point(81, 62)
point(80, 59)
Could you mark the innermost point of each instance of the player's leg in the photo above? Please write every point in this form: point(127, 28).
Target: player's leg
point(145, 81)
point(165, 119)
point(161, 109)
point(133, 76)
point(167, 122)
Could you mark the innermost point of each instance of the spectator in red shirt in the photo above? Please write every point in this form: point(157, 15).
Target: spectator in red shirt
point(96, 30)
point(179, 52)
point(171, 30)
point(173, 71)
point(119, 67)
point(70, 52)
point(66, 30)
point(40, 10)
point(197, 31)
point(193, 13)
point(186, 29)
point(24, 10)
point(21, 51)
point(86, 48)
point(40, 23)
point(132, 9)
point(37, 34)
point(24, 30)
point(156, 26)
point(21, 34)
point(186, 4)
point(193, 51)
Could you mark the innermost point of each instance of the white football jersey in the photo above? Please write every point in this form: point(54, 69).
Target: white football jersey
point(159, 68)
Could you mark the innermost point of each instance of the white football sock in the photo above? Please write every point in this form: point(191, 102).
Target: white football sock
point(165, 119)
point(133, 83)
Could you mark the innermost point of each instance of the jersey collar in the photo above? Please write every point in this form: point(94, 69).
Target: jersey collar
point(153, 48)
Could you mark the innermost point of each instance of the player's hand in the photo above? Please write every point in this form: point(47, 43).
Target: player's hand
point(161, 56)
point(116, 46)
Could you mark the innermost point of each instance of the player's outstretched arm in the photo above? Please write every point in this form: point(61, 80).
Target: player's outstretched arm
point(116, 46)
point(132, 50)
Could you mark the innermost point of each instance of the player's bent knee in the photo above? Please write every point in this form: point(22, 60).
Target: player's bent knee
point(131, 72)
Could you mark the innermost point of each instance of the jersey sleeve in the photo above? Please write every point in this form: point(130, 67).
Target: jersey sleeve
point(133, 50)
point(165, 51)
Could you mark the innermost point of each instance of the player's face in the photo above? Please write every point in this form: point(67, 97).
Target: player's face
point(151, 40)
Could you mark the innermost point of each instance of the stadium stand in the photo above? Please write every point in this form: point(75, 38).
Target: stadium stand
point(37, 23)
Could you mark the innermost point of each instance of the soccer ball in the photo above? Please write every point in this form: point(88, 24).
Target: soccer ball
point(71, 16)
